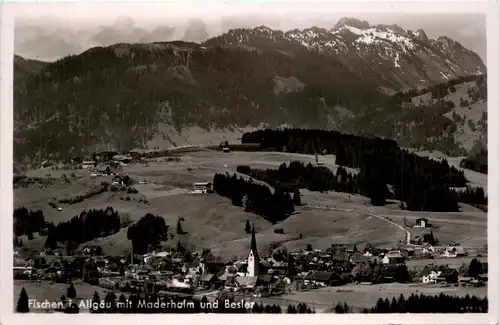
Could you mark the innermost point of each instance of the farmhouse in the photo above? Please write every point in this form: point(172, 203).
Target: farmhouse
point(422, 223)
point(326, 278)
point(88, 164)
point(202, 187)
point(226, 150)
point(430, 274)
point(448, 275)
point(393, 258)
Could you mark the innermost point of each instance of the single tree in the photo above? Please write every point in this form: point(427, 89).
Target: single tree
point(248, 228)
point(71, 292)
point(23, 302)
point(309, 247)
point(296, 198)
point(475, 268)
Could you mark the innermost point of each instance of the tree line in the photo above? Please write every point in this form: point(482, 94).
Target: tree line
point(147, 233)
point(26, 222)
point(422, 183)
point(253, 197)
point(90, 224)
point(441, 303)
point(477, 162)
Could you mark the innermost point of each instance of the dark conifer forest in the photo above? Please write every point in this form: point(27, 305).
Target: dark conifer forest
point(27, 222)
point(255, 198)
point(88, 225)
point(147, 232)
point(423, 184)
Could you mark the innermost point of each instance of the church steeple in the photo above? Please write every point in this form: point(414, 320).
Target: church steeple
point(253, 256)
point(253, 242)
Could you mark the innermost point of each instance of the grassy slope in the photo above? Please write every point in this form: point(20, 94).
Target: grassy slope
point(213, 222)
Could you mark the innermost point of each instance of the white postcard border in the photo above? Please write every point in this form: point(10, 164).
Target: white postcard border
point(490, 8)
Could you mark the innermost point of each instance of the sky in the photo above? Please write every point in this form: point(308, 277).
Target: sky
point(48, 31)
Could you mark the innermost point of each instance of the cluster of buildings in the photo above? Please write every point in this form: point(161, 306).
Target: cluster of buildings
point(175, 273)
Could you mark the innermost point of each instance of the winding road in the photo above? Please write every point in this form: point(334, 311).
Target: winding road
point(326, 207)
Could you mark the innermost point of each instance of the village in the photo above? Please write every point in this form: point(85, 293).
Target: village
point(257, 276)
point(254, 278)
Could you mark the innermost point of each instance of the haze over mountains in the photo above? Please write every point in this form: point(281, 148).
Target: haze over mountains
point(344, 77)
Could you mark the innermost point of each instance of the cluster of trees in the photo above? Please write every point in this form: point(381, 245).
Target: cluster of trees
point(430, 239)
point(475, 268)
point(147, 233)
point(90, 224)
point(477, 162)
point(441, 303)
point(255, 198)
point(472, 195)
point(26, 222)
point(422, 183)
point(295, 176)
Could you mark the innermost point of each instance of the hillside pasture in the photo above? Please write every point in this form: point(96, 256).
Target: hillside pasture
point(213, 222)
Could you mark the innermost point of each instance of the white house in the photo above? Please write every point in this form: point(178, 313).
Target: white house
point(421, 223)
point(202, 187)
point(430, 277)
point(393, 258)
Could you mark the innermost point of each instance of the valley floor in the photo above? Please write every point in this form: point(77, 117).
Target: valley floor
point(212, 222)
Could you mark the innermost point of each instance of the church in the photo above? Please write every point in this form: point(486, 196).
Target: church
point(254, 266)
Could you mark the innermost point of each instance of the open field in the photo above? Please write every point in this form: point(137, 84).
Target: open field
point(360, 296)
point(451, 262)
point(213, 222)
point(52, 292)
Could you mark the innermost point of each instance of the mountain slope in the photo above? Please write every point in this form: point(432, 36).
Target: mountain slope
point(121, 96)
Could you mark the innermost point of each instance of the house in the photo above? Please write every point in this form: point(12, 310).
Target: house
point(389, 273)
point(264, 280)
point(393, 258)
point(422, 223)
point(104, 170)
point(358, 258)
point(448, 275)
point(125, 159)
point(226, 150)
point(430, 274)
point(326, 278)
point(483, 277)
point(247, 282)
point(208, 280)
point(202, 187)
point(454, 251)
point(88, 164)
point(410, 252)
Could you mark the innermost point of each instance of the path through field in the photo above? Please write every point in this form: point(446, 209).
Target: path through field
point(325, 207)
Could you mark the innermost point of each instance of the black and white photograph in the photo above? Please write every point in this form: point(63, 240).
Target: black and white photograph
point(270, 161)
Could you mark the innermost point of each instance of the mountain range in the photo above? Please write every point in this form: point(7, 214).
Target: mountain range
point(354, 77)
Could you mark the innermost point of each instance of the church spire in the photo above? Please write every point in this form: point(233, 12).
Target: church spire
point(253, 242)
point(253, 256)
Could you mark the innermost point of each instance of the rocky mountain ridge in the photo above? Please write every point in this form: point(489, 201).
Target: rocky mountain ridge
point(403, 59)
point(122, 96)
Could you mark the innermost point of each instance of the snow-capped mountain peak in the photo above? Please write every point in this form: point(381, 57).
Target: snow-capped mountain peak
point(407, 58)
